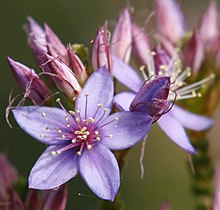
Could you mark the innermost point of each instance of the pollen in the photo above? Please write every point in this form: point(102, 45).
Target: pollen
point(99, 105)
point(72, 112)
point(66, 118)
point(73, 140)
point(89, 147)
point(63, 136)
point(42, 135)
point(79, 153)
point(53, 153)
point(43, 114)
point(110, 136)
point(91, 120)
point(58, 130)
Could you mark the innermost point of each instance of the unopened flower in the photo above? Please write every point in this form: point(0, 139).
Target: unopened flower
point(81, 140)
point(29, 82)
point(173, 122)
point(101, 55)
point(62, 76)
point(170, 19)
point(47, 199)
point(140, 44)
point(122, 36)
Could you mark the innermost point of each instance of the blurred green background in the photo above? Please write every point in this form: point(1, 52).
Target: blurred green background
point(166, 166)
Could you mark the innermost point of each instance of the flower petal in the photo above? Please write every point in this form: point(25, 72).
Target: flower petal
point(176, 132)
point(52, 171)
point(43, 123)
point(190, 120)
point(124, 99)
point(126, 131)
point(126, 75)
point(99, 88)
point(100, 170)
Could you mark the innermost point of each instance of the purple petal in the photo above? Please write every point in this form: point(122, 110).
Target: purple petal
point(156, 89)
point(43, 123)
point(130, 128)
point(124, 99)
point(97, 90)
point(176, 132)
point(190, 120)
point(170, 19)
point(126, 75)
point(51, 171)
point(99, 169)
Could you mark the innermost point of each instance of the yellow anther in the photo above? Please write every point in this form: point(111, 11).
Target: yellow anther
point(53, 153)
point(78, 111)
point(105, 109)
point(86, 94)
point(77, 119)
point(68, 124)
point(98, 138)
point(58, 130)
point(72, 112)
point(99, 105)
point(42, 135)
point(142, 68)
point(73, 141)
point(199, 95)
point(89, 146)
point(79, 153)
point(91, 120)
point(58, 100)
point(58, 152)
point(110, 136)
point(47, 128)
point(96, 133)
point(87, 133)
point(43, 114)
point(74, 98)
point(63, 136)
point(66, 118)
point(84, 136)
point(116, 118)
point(85, 122)
point(77, 132)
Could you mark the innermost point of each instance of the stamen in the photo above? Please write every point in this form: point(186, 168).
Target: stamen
point(143, 72)
point(73, 140)
point(91, 120)
point(89, 146)
point(53, 153)
point(99, 106)
point(58, 130)
point(72, 112)
point(43, 114)
point(66, 118)
point(86, 105)
point(42, 135)
point(110, 136)
point(47, 128)
point(63, 136)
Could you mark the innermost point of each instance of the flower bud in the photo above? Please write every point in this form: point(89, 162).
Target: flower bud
point(55, 47)
point(194, 52)
point(209, 24)
point(101, 55)
point(47, 199)
point(122, 36)
point(170, 19)
point(36, 40)
point(29, 82)
point(140, 44)
point(62, 76)
point(77, 66)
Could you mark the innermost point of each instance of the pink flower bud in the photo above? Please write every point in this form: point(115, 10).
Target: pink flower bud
point(170, 19)
point(62, 76)
point(77, 66)
point(101, 55)
point(47, 199)
point(55, 47)
point(122, 36)
point(194, 52)
point(36, 40)
point(209, 23)
point(140, 44)
point(29, 81)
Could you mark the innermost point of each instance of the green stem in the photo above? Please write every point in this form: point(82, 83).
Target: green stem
point(202, 180)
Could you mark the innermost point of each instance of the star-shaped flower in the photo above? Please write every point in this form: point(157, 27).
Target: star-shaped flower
point(81, 140)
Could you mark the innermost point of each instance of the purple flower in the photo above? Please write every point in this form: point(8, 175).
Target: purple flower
point(29, 82)
point(81, 141)
point(173, 122)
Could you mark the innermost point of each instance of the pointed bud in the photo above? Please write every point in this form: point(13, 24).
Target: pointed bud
point(122, 36)
point(170, 19)
point(161, 58)
point(194, 52)
point(209, 24)
point(77, 66)
point(152, 97)
point(29, 81)
point(101, 55)
point(63, 77)
point(47, 199)
point(55, 47)
point(140, 44)
point(36, 40)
